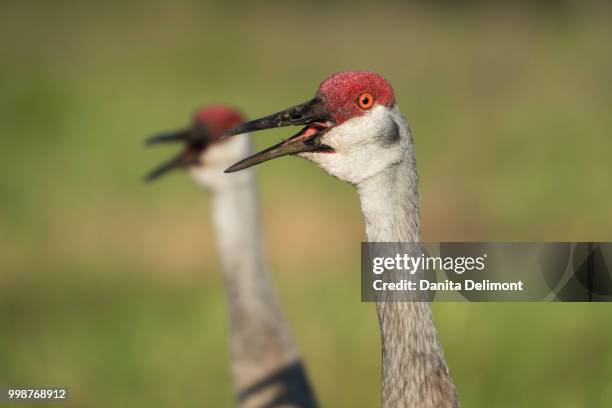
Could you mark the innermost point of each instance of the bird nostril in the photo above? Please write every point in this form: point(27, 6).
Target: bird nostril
point(295, 116)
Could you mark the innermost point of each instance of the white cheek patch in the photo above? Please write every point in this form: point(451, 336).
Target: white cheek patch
point(364, 145)
point(229, 151)
point(362, 130)
point(218, 157)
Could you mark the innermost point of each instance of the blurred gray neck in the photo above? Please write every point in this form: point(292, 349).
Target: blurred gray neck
point(414, 372)
point(266, 367)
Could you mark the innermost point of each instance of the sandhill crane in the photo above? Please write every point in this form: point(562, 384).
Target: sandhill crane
point(266, 367)
point(355, 131)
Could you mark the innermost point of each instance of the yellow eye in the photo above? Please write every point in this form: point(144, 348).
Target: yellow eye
point(365, 100)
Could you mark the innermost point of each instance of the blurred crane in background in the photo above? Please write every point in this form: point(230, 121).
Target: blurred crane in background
point(355, 131)
point(266, 366)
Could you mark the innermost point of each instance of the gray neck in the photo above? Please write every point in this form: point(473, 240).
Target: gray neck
point(414, 372)
point(266, 367)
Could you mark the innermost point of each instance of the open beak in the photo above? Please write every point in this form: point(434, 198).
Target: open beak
point(313, 114)
point(187, 157)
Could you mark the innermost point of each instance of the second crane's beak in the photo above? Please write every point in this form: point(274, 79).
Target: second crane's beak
point(187, 157)
point(313, 113)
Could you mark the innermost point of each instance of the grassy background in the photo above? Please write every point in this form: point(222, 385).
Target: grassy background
point(112, 287)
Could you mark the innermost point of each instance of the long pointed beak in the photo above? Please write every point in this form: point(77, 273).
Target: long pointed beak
point(313, 113)
point(169, 137)
point(185, 158)
point(172, 164)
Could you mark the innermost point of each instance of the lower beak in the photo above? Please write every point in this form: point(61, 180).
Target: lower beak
point(312, 113)
point(304, 141)
point(185, 158)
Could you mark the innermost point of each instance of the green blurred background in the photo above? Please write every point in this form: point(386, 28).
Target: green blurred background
point(112, 287)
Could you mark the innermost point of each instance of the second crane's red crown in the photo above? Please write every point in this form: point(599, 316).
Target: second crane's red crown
point(217, 119)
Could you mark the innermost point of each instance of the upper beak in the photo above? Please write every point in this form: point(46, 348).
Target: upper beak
point(185, 158)
point(313, 113)
point(176, 136)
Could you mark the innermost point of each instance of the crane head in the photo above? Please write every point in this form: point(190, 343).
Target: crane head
point(352, 128)
point(201, 140)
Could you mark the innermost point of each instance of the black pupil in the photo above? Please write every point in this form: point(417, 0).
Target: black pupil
point(365, 100)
